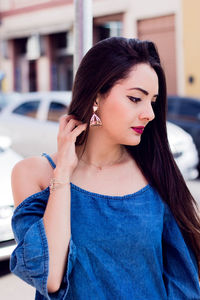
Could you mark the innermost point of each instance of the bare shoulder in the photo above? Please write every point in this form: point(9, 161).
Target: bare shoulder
point(30, 176)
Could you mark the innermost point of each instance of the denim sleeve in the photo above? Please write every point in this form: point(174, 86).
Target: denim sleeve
point(180, 266)
point(30, 259)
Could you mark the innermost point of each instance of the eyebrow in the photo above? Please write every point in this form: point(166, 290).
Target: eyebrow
point(142, 90)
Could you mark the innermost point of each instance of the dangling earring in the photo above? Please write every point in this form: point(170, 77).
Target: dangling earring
point(95, 120)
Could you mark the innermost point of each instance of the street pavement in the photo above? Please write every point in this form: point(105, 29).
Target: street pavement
point(12, 287)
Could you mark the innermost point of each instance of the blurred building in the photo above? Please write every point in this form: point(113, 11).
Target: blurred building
point(37, 39)
point(191, 46)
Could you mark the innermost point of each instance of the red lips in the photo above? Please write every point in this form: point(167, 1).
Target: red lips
point(138, 129)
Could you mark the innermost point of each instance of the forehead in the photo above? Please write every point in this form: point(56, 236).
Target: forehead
point(143, 76)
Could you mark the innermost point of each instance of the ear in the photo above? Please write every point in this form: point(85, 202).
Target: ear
point(97, 99)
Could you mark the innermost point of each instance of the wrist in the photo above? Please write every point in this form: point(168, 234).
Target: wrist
point(61, 176)
point(56, 183)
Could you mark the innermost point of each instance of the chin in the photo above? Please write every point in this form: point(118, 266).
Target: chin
point(132, 143)
point(135, 144)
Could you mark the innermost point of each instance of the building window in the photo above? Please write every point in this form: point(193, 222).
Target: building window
point(109, 29)
point(59, 40)
point(62, 62)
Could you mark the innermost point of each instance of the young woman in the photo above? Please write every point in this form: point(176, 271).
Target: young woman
point(108, 216)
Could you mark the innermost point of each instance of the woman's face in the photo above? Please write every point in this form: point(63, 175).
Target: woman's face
point(128, 107)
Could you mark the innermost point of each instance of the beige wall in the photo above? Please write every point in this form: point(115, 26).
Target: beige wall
point(13, 4)
point(161, 31)
point(43, 66)
point(145, 9)
point(7, 66)
point(61, 18)
point(8, 81)
point(43, 21)
point(191, 27)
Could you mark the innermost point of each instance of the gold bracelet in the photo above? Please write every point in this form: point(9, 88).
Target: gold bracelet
point(54, 182)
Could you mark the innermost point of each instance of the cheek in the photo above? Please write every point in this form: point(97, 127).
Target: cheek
point(114, 113)
point(115, 117)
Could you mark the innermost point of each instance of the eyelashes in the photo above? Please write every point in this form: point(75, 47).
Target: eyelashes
point(134, 99)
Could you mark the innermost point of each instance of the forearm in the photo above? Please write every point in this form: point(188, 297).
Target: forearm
point(57, 223)
point(57, 216)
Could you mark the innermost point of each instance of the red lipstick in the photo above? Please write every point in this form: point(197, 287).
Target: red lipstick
point(138, 129)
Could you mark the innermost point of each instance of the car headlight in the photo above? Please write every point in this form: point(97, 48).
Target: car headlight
point(6, 211)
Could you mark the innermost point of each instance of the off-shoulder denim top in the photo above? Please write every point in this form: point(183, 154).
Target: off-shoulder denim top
point(121, 248)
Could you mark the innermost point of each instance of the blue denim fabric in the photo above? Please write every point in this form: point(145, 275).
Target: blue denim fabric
point(121, 248)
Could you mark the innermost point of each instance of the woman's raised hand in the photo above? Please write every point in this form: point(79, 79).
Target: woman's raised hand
point(69, 129)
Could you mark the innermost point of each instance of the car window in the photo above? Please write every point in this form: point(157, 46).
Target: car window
point(190, 109)
point(171, 106)
point(56, 110)
point(28, 109)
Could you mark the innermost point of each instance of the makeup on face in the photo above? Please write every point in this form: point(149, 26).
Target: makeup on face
point(138, 97)
point(138, 129)
point(127, 109)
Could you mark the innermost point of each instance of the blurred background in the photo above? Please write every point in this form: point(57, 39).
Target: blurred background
point(37, 51)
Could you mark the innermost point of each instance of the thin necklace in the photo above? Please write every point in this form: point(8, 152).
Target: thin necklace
point(102, 167)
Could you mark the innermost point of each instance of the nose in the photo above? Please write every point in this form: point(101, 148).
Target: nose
point(147, 113)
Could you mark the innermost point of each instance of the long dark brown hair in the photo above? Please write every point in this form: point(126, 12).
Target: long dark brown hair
point(106, 63)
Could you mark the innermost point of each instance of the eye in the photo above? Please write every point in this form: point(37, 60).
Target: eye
point(134, 99)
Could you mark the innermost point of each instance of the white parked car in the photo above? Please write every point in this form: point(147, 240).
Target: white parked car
point(31, 120)
point(7, 98)
point(8, 158)
point(184, 151)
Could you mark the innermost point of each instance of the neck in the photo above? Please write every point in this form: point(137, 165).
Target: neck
point(104, 163)
point(100, 154)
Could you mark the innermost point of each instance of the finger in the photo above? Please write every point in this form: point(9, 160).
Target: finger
point(64, 120)
point(80, 128)
point(71, 125)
